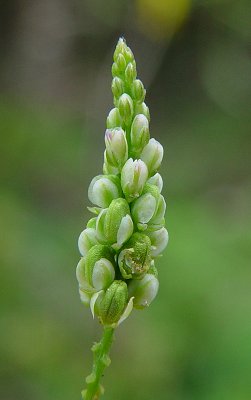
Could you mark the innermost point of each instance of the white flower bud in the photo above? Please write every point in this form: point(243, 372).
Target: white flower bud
point(143, 210)
point(139, 134)
point(159, 240)
point(116, 147)
point(144, 290)
point(133, 178)
point(103, 189)
point(152, 155)
point(86, 240)
point(113, 119)
point(156, 180)
point(125, 106)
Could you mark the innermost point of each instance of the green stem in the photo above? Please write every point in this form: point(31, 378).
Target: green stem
point(101, 360)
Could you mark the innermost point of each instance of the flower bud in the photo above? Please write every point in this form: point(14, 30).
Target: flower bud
point(103, 189)
point(159, 240)
point(156, 180)
point(133, 178)
point(134, 260)
point(152, 155)
point(109, 169)
point(87, 240)
point(144, 290)
point(139, 134)
point(142, 109)
point(121, 63)
point(99, 267)
point(138, 91)
point(113, 119)
point(115, 69)
point(85, 290)
point(113, 303)
point(116, 147)
point(117, 87)
point(118, 225)
point(130, 73)
point(125, 106)
point(149, 209)
point(122, 48)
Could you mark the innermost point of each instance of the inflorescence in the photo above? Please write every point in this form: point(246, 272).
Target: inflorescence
point(122, 241)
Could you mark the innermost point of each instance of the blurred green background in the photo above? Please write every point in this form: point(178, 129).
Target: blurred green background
point(194, 342)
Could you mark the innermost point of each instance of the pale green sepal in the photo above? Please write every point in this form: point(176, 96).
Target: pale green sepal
point(125, 230)
point(85, 297)
point(100, 226)
point(94, 210)
point(103, 274)
point(93, 301)
point(92, 223)
point(109, 169)
point(143, 208)
point(159, 240)
point(118, 209)
point(127, 311)
point(144, 290)
point(117, 87)
point(86, 240)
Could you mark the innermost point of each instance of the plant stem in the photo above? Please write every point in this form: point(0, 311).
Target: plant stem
point(101, 360)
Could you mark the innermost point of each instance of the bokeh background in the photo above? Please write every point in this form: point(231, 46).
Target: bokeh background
point(194, 342)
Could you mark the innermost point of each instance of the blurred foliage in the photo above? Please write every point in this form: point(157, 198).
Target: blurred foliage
point(194, 341)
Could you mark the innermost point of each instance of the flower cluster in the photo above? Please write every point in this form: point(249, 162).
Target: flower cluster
point(121, 242)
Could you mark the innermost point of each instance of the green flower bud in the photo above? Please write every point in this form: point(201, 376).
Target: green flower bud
point(122, 48)
point(114, 224)
point(152, 155)
point(113, 303)
point(113, 119)
point(159, 240)
point(103, 189)
point(121, 63)
point(115, 69)
point(116, 147)
point(130, 73)
point(99, 269)
point(138, 92)
point(118, 225)
point(156, 180)
point(85, 290)
point(117, 87)
point(109, 169)
point(144, 290)
point(125, 106)
point(139, 134)
point(142, 109)
point(133, 178)
point(134, 259)
point(87, 240)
